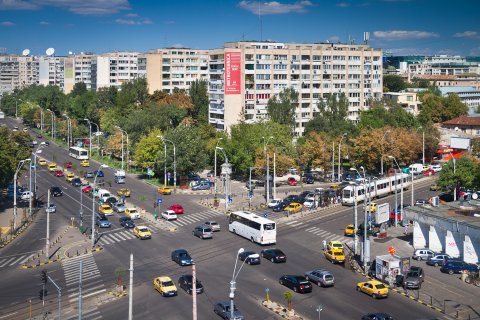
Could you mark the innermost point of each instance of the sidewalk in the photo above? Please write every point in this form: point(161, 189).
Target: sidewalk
point(22, 220)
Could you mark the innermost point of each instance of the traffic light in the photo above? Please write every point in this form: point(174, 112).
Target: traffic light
point(44, 276)
point(42, 293)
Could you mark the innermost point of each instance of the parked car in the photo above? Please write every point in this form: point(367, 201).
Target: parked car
point(411, 280)
point(169, 215)
point(102, 221)
point(429, 172)
point(177, 208)
point(321, 277)
point(457, 266)
point(222, 308)
point(214, 225)
point(296, 283)
point(250, 257)
point(203, 232)
point(421, 202)
point(274, 255)
point(292, 198)
point(437, 259)
point(436, 167)
point(292, 181)
point(56, 191)
point(274, 202)
point(422, 254)
point(185, 282)
point(374, 288)
point(126, 222)
point(165, 286)
point(51, 208)
point(142, 232)
point(308, 179)
point(447, 197)
point(201, 186)
point(181, 257)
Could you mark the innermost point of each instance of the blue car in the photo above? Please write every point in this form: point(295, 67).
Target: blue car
point(99, 173)
point(102, 221)
point(457, 266)
point(126, 222)
point(182, 257)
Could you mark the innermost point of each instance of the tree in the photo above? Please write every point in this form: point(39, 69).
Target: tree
point(148, 150)
point(316, 151)
point(282, 109)
point(288, 296)
point(378, 116)
point(466, 174)
point(13, 148)
point(199, 96)
point(393, 83)
point(79, 88)
point(436, 108)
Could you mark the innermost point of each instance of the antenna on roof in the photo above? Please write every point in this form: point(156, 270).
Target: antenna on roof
point(25, 52)
point(366, 37)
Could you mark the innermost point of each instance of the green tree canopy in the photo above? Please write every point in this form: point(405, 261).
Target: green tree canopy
point(436, 108)
point(199, 95)
point(394, 116)
point(466, 174)
point(282, 109)
point(393, 83)
point(13, 148)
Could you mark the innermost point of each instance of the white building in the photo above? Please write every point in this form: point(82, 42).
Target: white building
point(442, 65)
point(17, 71)
point(113, 69)
point(51, 71)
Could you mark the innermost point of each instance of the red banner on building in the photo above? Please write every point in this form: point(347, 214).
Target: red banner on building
point(232, 73)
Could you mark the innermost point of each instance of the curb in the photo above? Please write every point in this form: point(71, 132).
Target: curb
point(279, 310)
point(58, 259)
point(16, 234)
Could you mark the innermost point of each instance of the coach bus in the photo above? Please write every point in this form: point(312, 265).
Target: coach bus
point(78, 153)
point(255, 228)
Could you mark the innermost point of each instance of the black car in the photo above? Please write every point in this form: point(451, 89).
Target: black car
point(447, 197)
point(47, 143)
point(292, 198)
point(282, 205)
point(185, 282)
point(377, 316)
point(249, 257)
point(76, 182)
point(274, 255)
point(302, 196)
point(56, 191)
point(296, 283)
point(308, 179)
point(126, 222)
point(182, 257)
point(111, 201)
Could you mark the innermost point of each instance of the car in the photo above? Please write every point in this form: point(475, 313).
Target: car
point(349, 230)
point(102, 221)
point(294, 207)
point(120, 179)
point(85, 163)
point(26, 195)
point(436, 167)
point(429, 172)
point(374, 288)
point(296, 283)
point(169, 215)
point(58, 173)
point(457, 266)
point(412, 280)
point(334, 256)
point(126, 222)
point(377, 316)
point(76, 182)
point(52, 167)
point(68, 165)
point(274, 255)
point(165, 286)
point(321, 277)
point(165, 190)
point(87, 189)
point(52, 208)
point(119, 207)
point(56, 191)
point(98, 173)
point(437, 259)
point(105, 209)
point(185, 282)
point(281, 206)
point(435, 187)
point(177, 208)
point(222, 308)
point(203, 232)
point(292, 198)
point(25, 129)
point(422, 254)
point(421, 202)
point(69, 176)
point(132, 213)
point(292, 181)
point(334, 245)
point(46, 143)
point(181, 257)
point(111, 200)
point(39, 136)
point(88, 174)
point(272, 203)
point(214, 225)
point(42, 162)
point(142, 232)
point(308, 178)
point(123, 192)
point(201, 186)
point(250, 257)
point(446, 197)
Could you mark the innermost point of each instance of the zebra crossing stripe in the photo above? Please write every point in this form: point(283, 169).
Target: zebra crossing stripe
point(105, 241)
point(202, 215)
point(322, 233)
point(190, 219)
point(16, 261)
point(121, 236)
point(310, 229)
point(128, 235)
point(7, 261)
point(291, 222)
point(297, 224)
point(27, 257)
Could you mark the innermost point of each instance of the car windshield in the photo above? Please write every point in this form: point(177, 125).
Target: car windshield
point(142, 229)
point(207, 230)
point(338, 253)
point(132, 211)
point(183, 255)
point(167, 283)
point(337, 245)
point(277, 252)
point(380, 286)
point(213, 223)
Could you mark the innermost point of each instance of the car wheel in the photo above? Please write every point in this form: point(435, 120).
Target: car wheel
point(234, 232)
point(281, 282)
point(435, 264)
point(272, 260)
point(319, 284)
point(374, 296)
point(450, 271)
point(358, 289)
point(248, 262)
point(189, 291)
point(295, 289)
point(251, 239)
point(262, 255)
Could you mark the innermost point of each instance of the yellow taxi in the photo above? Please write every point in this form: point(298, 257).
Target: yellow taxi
point(42, 162)
point(372, 208)
point(294, 207)
point(69, 176)
point(52, 167)
point(85, 163)
point(334, 256)
point(123, 192)
point(105, 209)
point(349, 230)
point(164, 190)
point(132, 213)
point(374, 288)
point(165, 286)
point(334, 245)
point(142, 232)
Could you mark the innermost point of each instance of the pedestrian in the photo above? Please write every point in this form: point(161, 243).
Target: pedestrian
point(324, 244)
point(405, 229)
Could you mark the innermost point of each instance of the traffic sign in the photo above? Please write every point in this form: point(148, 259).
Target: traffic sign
point(230, 200)
point(265, 215)
point(250, 194)
point(159, 200)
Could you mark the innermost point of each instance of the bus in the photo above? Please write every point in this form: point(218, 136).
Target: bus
point(78, 153)
point(358, 191)
point(255, 228)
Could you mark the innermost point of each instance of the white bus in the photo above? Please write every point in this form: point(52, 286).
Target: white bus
point(78, 153)
point(377, 188)
point(255, 228)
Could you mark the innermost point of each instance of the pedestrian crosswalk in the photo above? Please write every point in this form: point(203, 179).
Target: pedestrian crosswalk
point(113, 237)
point(90, 314)
point(197, 217)
point(92, 283)
point(15, 260)
point(327, 235)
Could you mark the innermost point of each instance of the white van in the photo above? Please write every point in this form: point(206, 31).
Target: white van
point(102, 193)
point(416, 168)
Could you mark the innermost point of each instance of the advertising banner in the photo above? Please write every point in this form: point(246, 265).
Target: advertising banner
point(232, 73)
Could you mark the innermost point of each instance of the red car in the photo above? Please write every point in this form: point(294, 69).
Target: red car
point(178, 209)
point(58, 173)
point(87, 189)
point(429, 172)
point(292, 182)
point(68, 165)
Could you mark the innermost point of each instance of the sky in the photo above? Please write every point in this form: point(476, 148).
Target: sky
point(399, 27)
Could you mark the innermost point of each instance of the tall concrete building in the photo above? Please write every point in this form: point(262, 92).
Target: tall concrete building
point(171, 68)
point(113, 69)
point(51, 71)
point(243, 76)
point(17, 71)
point(78, 68)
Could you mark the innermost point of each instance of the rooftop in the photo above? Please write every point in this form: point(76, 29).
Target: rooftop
point(459, 212)
point(463, 121)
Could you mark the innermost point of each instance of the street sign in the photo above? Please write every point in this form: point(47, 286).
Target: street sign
point(159, 200)
point(230, 200)
point(265, 215)
point(267, 290)
point(168, 175)
point(250, 194)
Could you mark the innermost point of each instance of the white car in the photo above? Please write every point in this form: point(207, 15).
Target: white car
point(169, 215)
point(274, 202)
point(51, 208)
point(436, 167)
point(213, 224)
point(26, 195)
point(308, 203)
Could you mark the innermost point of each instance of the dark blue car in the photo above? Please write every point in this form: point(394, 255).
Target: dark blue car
point(99, 173)
point(457, 266)
point(126, 222)
point(282, 205)
point(182, 257)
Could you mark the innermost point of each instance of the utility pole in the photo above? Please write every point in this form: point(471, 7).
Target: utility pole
point(80, 292)
point(194, 293)
point(274, 175)
point(333, 161)
point(130, 290)
point(355, 219)
point(47, 245)
point(412, 203)
point(59, 298)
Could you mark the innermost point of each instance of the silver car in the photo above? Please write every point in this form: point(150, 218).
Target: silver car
point(203, 232)
point(119, 207)
point(213, 224)
point(423, 254)
point(321, 277)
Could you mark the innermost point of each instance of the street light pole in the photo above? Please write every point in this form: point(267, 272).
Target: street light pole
point(455, 176)
point(93, 203)
point(19, 166)
point(383, 151)
point(401, 190)
point(37, 151)
point(339, 157)
point(89, 136)
point(267, 175)
point(215, 166)
point(233, 282)
point(68, 128)
point(53, 124)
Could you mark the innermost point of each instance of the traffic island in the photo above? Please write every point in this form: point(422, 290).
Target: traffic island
point(280, 310)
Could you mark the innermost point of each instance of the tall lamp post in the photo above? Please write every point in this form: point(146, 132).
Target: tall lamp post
point(365, 218)
point(355, 213)
point(233, 282)
point(69, 128)
point(267, 174)
point(123, 131)
point(174, 165)
point(37, 151)
point(53, 124)
point(89, 136)
point(93, 202)
point(227, 179)
point(455, 176)
point(339, 156)
point(401, 190)
point(19, 166)
point(215, 167)
point(383, 151)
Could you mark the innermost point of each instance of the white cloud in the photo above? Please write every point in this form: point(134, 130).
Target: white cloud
point(7, 24)
point(467, 34)
point(334, 39)
point(343, 4)
point(403, 35)
point(44, 23)
point(408, 51)
point(274, 7)
point(131, 15)
point(133, 22)
point(83, 7)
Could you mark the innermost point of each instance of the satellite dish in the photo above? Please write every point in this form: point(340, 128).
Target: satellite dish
point(26, 52)
point(70, 52)
point(50, 51)
point(475, 196)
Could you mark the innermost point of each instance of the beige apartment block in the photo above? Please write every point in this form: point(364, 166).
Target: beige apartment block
point(409, 101)
point(244, 75)
point(170, 68)
point(16, 72)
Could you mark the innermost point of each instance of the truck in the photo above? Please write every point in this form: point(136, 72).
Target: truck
point(386, 268)
point(120, 176)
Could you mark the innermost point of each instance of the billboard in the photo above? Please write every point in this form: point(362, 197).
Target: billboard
point(232, 73)
point(460, 143)
point(383, 213)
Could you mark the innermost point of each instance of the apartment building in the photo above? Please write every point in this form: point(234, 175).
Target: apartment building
point(171, 68)
point(113, 69)
point(408, 100)
point(442, 65)
point(243, 76)
point(78, 68)
point(16, 72)
point(51, 71)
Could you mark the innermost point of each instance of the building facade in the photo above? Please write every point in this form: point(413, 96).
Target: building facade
point(78, 68)
point(51, 71)
point(113, 69)
point(243, 76)
point(16, 72)
point(409, 101)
